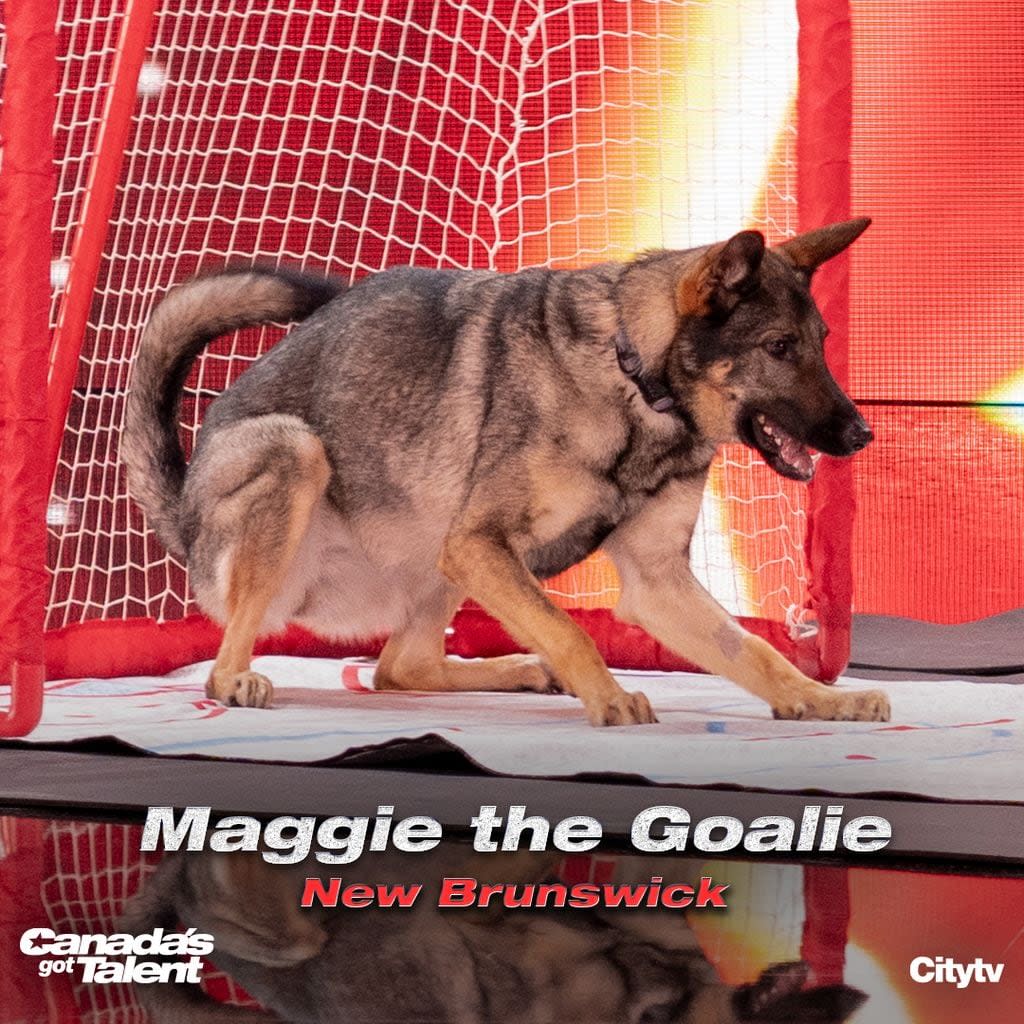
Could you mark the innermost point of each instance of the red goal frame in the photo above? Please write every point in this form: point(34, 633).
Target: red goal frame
point(34, 409)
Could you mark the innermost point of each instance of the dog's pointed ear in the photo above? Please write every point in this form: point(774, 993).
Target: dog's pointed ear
point(775, 983)
point(728, 272)
point(808, 251)
point(778, 997)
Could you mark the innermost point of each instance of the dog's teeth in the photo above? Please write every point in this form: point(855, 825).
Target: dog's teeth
point(760, 418)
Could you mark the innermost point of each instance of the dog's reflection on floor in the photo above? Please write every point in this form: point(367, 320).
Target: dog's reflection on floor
point(425, 964)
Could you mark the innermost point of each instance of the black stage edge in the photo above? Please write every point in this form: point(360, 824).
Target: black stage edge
point(938, 834)
point(986, 650)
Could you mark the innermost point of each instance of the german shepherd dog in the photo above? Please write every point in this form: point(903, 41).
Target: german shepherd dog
point(431, 966)
point(428, 436)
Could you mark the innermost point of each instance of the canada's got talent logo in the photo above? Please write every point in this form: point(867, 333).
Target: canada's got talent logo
point(119, 958)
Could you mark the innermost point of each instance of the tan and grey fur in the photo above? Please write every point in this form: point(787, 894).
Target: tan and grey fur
point(428, 436)
point(429, 966)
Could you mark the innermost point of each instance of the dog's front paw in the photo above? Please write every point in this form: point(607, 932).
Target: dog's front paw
point(622, 709)
point(865, 706)
point(824, 704)
point(243, 689)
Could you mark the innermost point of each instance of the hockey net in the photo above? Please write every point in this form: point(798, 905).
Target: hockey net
point(348, 138)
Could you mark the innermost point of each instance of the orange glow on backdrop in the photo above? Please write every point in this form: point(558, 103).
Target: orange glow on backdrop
point(896, 916)
point(938, 161)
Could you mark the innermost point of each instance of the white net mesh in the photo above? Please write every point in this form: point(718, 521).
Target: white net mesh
point(350, 137)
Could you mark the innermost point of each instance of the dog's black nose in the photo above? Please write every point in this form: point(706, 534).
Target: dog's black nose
point(856, 435)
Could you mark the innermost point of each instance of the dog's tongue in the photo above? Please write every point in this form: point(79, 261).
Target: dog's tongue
point(796, 455)
point(782, 449)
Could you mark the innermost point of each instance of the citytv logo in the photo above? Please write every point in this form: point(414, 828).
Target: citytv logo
point(944, 970)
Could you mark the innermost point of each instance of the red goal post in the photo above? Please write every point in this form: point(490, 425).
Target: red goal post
point(346, 140)
point(27, 181)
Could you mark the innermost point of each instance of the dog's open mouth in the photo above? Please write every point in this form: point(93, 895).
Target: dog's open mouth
point(783, 452)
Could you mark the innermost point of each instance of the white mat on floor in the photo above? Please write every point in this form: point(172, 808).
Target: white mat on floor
point(948, 739)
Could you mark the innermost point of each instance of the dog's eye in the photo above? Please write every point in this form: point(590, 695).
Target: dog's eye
point(781, 346)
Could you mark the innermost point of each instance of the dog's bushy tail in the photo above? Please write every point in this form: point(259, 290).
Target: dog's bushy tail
point(181, 326)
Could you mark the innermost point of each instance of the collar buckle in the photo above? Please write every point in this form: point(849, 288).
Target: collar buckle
point(654, 392)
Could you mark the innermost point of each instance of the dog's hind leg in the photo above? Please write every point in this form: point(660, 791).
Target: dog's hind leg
point(269, 472)
point(414, 658)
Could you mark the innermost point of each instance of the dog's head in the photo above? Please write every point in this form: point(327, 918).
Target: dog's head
point(750, 349)
point(779, 996)
point(664, 986)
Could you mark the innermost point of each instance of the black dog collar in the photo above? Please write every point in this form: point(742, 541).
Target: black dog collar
point(654, 392)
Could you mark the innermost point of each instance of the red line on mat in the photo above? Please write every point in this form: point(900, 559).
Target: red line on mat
point(350, 679)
